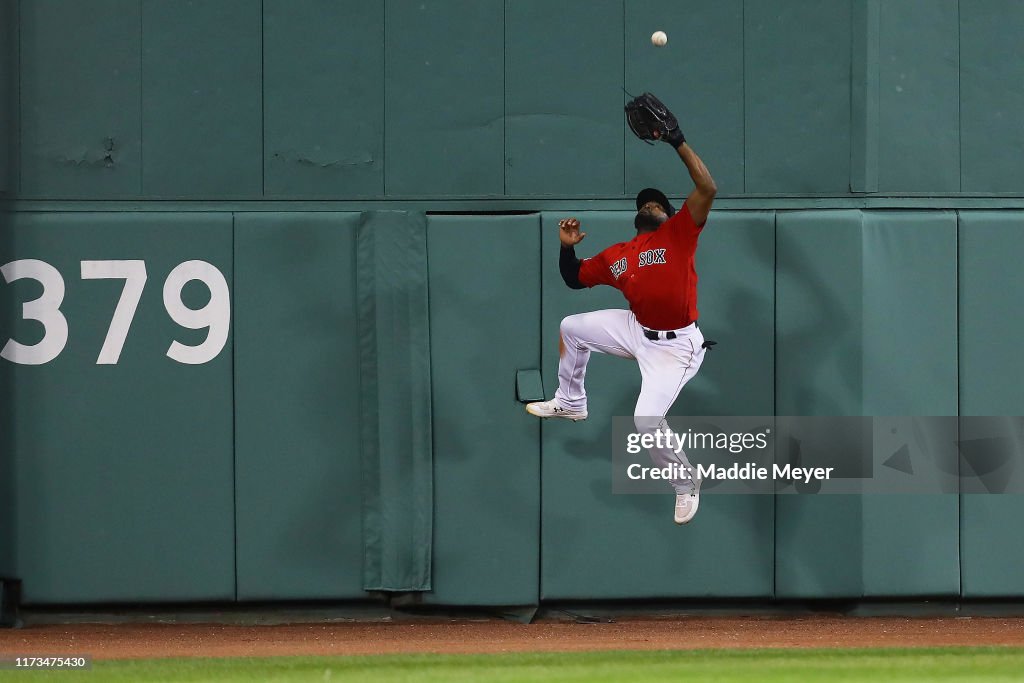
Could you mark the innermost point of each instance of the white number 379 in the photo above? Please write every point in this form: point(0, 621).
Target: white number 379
point(215, 315)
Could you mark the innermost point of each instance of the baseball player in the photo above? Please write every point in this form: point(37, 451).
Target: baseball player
point(655, 272)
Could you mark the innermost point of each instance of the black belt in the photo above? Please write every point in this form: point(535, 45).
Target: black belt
point(655, 335)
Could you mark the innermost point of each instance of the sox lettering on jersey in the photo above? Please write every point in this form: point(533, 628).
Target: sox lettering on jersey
point(652, 257)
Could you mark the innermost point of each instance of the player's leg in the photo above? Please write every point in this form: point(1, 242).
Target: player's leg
point(662, 383)
point(666, 366)
point(602, 331)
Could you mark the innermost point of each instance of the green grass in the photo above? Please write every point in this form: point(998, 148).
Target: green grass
point(721, 666)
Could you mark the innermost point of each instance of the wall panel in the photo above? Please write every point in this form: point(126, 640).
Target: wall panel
point(866, 327)
point(990, 292)
point(9, 29)
point(123, 470)
point(797, 96)
point(80, 94)
point(910, 368)
point(919, 98)
point(819, 330)
point(991, 57)
point(563, 103)
point(486, 447)
point(298, 474)
point(324, 104)
point(445, 97)
point(202, 113)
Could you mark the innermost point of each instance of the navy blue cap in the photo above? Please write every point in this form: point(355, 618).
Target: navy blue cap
point(651, 194)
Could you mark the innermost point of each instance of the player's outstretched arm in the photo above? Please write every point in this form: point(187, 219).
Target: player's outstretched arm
point(568, 265)
point(650, 119)
point(703, 195)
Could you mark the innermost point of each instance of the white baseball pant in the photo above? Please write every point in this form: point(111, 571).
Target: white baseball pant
point(666, 365)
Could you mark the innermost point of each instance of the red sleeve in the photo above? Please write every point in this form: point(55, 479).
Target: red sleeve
point(683, 222)
point(595, 270)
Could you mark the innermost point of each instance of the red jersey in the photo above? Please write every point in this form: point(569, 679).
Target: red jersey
point(654, 271)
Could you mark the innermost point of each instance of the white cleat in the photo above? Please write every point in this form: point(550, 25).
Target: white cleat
point(553, 409)
point(686, 506)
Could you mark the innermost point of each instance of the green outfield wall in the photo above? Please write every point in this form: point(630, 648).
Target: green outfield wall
point(295, 265)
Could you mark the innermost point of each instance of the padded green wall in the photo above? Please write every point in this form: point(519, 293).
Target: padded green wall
point(816, 312)
point(818, 334)
point(990, 367)
point(866, 326)
point(484, 326)
point(297, 479)
point(123, 472)
point(910, 368)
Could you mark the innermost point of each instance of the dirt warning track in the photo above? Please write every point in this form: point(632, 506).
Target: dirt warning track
point(126, 641)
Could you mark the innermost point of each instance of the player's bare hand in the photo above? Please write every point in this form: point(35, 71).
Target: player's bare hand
point(569, 232)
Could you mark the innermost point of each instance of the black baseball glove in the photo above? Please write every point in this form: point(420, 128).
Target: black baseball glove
point(651, 120)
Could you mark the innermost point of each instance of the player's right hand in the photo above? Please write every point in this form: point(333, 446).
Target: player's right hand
point(569, 232)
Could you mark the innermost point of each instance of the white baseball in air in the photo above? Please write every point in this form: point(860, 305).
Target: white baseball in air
point(658, 38)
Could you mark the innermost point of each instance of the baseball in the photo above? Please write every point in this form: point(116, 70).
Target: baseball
point(659, 38)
